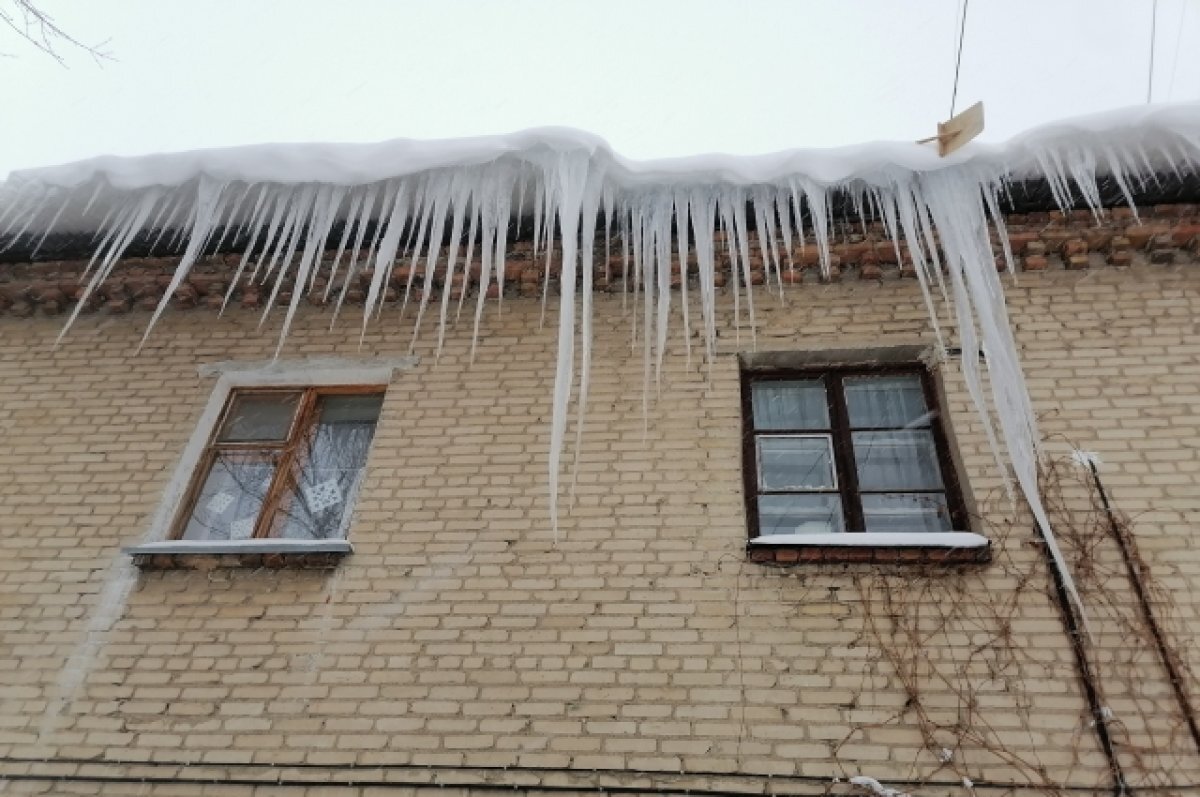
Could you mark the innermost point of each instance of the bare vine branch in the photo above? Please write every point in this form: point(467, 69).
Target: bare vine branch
point(948, 643)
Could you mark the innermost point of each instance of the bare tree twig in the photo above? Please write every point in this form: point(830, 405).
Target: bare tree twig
point(39, 29)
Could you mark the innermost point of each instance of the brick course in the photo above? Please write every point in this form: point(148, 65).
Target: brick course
point(1163, 234)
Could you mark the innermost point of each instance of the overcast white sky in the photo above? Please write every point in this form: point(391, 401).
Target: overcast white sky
point(654, 78)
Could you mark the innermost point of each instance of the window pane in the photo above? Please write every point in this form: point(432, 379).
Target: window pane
point(900, 460)
point(906, 512)
point(796, 463)
point(259, 416)
point(328, 468)
point(799, 514)
point(231, 497)
point(795, 404)
point(886, 401)
point(349, 409)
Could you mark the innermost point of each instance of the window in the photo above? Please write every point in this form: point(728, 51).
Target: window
point(845, 450)
point(281, 463)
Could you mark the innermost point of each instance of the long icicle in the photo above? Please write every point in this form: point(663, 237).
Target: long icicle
point(569, 174)
point(208, 198)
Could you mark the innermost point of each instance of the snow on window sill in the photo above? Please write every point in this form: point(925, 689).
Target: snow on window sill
point(938, 539)
point(270, 553)
point(948, 547)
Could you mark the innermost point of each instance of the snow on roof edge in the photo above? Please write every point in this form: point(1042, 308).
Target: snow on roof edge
point(354, 164)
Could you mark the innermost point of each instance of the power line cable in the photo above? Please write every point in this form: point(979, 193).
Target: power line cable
point(1153, 35)
point(962, 29)
point(957, 22)
point(1183, 7)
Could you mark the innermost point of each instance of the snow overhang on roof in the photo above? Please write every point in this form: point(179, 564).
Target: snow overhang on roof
point(1131, 143)
point(374, 202)
point(1154, 127)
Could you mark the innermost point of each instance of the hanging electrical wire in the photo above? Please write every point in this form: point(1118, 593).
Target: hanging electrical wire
point(1153, 35)
point(962, 29)
point(1183, 7)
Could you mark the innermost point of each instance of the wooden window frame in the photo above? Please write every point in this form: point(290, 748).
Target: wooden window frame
point(302, 423)
point(845, 471)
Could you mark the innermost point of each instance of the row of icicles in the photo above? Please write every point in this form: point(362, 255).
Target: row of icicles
point(943, 218)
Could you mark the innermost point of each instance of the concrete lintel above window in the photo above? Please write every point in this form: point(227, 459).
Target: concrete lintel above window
point(310, 370)
point(863, 357)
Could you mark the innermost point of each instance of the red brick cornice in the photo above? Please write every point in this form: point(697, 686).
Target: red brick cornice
point(1164, 234)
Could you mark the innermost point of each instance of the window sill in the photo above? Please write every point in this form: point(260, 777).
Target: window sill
point(951, 547)
point(210, 554)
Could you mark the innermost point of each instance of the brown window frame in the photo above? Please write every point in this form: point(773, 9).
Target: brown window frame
point(845, 472)
point(302, 423)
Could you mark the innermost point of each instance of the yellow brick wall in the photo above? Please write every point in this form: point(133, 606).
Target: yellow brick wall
point(460, 638)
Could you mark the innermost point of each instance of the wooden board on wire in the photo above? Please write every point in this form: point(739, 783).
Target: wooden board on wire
point(954, 133)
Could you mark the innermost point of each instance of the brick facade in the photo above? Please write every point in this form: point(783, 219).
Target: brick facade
point(460, 644)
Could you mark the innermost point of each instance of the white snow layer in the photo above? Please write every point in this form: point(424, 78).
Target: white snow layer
point(876, 789)
point(289, 197)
